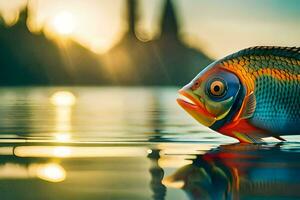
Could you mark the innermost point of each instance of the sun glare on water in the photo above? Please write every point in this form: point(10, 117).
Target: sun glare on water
point(63, 98)
point(51, 172)
point(64, 23)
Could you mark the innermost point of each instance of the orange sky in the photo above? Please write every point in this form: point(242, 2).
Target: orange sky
point(219, 27)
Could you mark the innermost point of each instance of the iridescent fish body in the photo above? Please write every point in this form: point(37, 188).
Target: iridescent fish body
point(249, 95)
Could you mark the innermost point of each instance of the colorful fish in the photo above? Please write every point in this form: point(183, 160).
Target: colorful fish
point(249, 95)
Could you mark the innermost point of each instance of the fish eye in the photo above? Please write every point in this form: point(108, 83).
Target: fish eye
point(217, 88)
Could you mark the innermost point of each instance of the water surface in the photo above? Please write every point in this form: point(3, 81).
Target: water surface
point(129, 143)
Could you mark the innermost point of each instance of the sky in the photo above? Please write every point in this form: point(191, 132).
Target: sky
point(217, 27)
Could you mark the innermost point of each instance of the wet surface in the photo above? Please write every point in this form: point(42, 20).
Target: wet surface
point(129, 143)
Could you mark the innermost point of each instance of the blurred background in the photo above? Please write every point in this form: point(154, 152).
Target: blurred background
point(105, 142)
point(132, 42)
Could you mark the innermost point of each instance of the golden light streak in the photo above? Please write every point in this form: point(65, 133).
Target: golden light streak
point(51, 172)
point(78, 152)
point(61, 152)
point(63, 100)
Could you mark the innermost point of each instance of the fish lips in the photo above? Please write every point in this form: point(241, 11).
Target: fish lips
point(195, 108)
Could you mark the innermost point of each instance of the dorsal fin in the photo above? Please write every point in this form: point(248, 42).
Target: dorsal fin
point(250, 106)
point(288, 52)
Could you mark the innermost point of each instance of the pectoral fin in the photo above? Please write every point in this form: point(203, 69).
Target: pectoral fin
point(247, 138)
point(250, 106)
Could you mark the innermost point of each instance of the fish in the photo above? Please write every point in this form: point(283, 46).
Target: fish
point(248, 95)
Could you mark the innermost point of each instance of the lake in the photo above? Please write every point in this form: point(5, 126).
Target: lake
point(130, 143)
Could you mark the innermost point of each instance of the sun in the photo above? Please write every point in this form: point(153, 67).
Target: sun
point(63, 23)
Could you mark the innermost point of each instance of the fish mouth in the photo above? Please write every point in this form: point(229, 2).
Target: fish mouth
point(195, 107)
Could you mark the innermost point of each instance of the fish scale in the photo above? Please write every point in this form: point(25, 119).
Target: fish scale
point(274, 111)
point(274, 73)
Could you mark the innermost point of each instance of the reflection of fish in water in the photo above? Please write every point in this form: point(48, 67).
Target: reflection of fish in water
point(241, 172)
point(201, 181)
point(249, 95)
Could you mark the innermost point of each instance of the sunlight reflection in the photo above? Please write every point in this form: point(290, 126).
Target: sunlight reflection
point(175, 161)
point(169, 182)
point(61, 151)
point(171, 154)
point(6, 150)
point(63, 137)
point(63, 98)
point(79, 152)
point(50, 172)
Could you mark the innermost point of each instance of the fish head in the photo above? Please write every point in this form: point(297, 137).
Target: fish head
point(211, 95)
